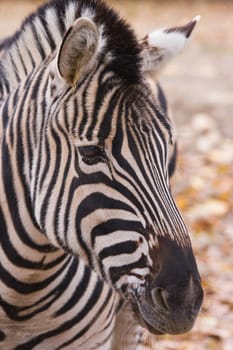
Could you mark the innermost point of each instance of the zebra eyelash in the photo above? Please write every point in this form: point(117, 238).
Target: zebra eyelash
point(92, 154)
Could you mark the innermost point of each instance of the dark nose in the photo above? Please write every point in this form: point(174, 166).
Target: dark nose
point(176, 291)
point(178, 296)
point(179, 304)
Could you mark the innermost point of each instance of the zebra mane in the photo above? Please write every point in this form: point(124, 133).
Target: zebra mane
point(41, 33)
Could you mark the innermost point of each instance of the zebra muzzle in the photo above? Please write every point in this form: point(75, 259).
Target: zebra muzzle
point(171, 300)
point(155, 310)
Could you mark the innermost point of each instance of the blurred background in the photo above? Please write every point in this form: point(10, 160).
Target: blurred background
point(199, 88)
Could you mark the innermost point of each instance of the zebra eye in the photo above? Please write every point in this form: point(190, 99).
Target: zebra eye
point(92, 154)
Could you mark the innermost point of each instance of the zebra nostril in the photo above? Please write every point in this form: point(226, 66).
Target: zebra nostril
point(159, 297)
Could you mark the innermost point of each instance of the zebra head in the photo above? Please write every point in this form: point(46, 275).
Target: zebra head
point(110, 143)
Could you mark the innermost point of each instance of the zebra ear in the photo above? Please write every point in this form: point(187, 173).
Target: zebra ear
point(77, 50)
point(161, 45)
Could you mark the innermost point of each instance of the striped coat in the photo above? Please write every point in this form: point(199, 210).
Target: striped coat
point(94, 253)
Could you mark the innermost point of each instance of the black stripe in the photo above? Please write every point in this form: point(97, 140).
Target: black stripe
point(37, 41)
point(23, 287)
point(68, 324)
point(5, 113)
point(21, 59)
point(57, 165)
point(162, 98)
point(112, 225)
point(126, 247)
point(90, 324)
point(13, 203)
point(81, 288)
point(49, 36)
point(91, 203)
point(117, 271)
point(4, 83)
point(172, 161)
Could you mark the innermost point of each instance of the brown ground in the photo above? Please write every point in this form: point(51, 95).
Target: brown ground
point(199, 85)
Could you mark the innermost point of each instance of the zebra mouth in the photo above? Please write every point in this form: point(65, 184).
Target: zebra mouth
point(156, 321)
point(144, 312)
point(151, 329)
point(144, 323)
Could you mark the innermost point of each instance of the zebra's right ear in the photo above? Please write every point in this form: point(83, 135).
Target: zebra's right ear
point(77, 50)
point(160, 46)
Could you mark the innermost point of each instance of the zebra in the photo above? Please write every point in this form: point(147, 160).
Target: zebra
point(94, 253)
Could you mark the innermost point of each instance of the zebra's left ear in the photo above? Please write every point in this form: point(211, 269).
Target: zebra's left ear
point(162, 45)
point(77, 50)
